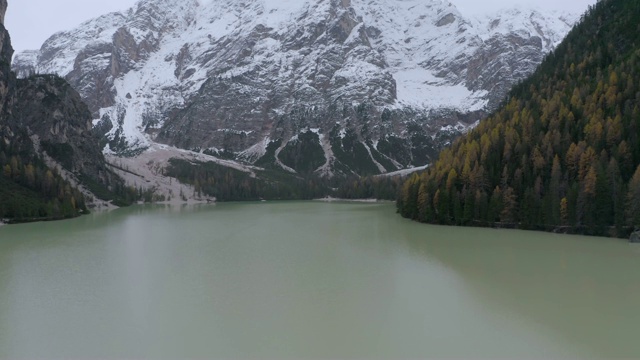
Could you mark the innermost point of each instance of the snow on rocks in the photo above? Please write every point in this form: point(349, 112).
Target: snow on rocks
point(138, 67)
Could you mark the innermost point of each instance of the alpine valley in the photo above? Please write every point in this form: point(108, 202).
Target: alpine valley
point(323, 88)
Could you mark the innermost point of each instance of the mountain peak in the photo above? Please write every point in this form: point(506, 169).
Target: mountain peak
point(225, 74)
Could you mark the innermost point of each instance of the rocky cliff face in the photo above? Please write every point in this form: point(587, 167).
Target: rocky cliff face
point(59, 122)
point(6, 78)
point(381, 83)
point(44, 114)
point(3, 10)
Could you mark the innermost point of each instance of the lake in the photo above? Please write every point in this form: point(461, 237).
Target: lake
point(309, 280)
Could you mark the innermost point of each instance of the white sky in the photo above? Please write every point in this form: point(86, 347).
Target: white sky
point(31, 22)
point(469, 7)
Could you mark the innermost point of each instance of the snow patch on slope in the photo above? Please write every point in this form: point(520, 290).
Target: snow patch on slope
point(532, 21)
point(419, 88)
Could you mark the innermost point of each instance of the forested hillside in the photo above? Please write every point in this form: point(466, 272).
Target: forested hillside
point(46, 116)
point(30, 190)
point(562, 153)
point(47, 148)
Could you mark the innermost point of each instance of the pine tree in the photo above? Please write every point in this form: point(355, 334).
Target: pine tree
point(633, 199)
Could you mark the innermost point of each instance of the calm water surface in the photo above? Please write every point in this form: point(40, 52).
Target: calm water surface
point(310, 280)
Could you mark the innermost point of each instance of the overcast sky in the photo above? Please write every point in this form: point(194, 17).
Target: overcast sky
point(31, 22)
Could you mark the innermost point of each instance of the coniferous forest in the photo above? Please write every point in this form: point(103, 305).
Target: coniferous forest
point(563, 151)
point(31, 191)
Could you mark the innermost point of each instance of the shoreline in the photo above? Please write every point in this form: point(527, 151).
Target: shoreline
point(180, 202)
point(368, 201)
point(549, 229)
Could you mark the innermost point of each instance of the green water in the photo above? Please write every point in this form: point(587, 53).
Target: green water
point(309, 280)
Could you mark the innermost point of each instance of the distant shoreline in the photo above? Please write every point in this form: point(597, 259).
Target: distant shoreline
point(332, 199)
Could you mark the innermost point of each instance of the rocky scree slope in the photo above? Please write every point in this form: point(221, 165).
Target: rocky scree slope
point(352, 86)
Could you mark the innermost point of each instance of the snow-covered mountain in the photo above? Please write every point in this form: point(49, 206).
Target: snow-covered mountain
point(362, 86)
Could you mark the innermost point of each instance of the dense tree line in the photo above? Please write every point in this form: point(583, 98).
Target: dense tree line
point(228, 184)
point(30, 191)
point(562, 152)
point(370, 187)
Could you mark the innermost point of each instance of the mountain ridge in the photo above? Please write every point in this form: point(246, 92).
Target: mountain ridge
point(226, 77)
